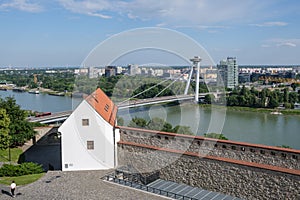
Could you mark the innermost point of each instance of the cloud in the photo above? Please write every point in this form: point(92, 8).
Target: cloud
point(23, 5)
point(94, 8)
point(175, 12)
point(270, 24)
point(281, 42)
point(288, 44)
point(161, 24)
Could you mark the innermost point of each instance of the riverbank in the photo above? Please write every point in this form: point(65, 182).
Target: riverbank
point(257, 110)
point(37, 91)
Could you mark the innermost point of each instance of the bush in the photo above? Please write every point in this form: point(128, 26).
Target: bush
point(216, 136)
point(20, 170)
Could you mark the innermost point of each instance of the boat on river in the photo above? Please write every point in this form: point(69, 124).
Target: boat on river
point(276, 113)
point(34, 91)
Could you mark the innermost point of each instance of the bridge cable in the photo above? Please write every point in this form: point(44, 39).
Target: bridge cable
point(160, 83)
point(143, 91)
point(176, 79)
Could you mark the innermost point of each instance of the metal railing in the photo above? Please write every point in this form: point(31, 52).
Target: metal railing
point(147, 188)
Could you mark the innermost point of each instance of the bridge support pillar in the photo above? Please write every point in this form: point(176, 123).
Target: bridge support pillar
point(196, 66)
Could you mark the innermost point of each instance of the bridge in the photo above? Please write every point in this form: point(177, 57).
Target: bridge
point(62, 116)
point(129, 103)
point(53, 118)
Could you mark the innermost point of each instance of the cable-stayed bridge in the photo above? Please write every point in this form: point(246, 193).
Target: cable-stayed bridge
point(133, 102)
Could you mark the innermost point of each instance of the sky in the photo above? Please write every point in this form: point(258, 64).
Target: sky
point(40, 33)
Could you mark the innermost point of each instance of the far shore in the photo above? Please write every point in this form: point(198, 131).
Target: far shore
point(259, 110)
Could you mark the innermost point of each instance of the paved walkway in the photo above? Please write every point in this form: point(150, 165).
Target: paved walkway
point(76, 185)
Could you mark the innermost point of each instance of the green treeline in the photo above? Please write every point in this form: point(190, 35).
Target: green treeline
point(262, 99)
point(159, 124)
point(58, 81)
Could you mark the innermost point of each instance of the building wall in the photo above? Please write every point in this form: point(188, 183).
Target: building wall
point(74, 137)
point(229, 178)
point(274, 156)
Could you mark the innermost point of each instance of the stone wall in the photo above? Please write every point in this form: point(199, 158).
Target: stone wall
point(274, 156)
point(247, 182)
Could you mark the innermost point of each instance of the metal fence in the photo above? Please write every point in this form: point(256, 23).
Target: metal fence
point(147, 188)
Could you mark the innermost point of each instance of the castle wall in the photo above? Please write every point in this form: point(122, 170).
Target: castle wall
point(242, 170)
point(237, 180)
point(281, 157)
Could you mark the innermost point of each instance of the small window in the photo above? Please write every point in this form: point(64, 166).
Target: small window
point(295, 157)
point(243, 149)
point(106, 107)
point(166, 138)
point(90, 145)
point(283, 155)
point(85, 122)
point(224, 146)
point(233, 147)
point(273, 153)
point(66, 166)
point(262, 152)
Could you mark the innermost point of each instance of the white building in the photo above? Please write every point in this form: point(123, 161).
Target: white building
point(88, 139)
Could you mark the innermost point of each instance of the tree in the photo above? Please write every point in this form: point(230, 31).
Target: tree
point(273, 103)
point(293, 97)
point(286, 95)
point(20, 130)
point(186, 130)
point(137, 122)
point(159, 125)
point(4, 129)
point(215, 135)
point(120, 121)
point(295, 85)
point(209, 98)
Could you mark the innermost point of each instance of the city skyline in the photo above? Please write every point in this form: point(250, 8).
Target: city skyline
point(63, 32)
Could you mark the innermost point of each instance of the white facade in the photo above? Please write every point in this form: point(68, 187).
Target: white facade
point(88, 141)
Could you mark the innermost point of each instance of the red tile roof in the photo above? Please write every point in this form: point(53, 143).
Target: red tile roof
point(103, 105)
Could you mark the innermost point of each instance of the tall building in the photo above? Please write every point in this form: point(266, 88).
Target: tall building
point(228, 72)
point(110, 71)
point(133, 70)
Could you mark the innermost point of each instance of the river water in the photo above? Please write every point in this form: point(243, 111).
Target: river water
point(259, 128)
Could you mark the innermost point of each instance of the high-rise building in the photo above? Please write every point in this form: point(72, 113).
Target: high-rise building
point(133, 70)
point(110, 71)
point(228, 72)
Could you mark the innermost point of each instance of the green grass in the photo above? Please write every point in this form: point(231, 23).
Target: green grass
point(14, 152)
point(21, 180)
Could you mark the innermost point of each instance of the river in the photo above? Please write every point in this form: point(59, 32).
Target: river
point(41, 102)
point(259, 128)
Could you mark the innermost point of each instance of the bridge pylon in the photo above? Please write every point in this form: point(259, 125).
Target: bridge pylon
point(194, 69)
